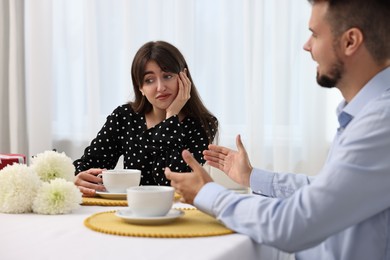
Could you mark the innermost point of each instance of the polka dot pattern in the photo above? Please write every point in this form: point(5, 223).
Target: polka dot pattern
point(150, 150)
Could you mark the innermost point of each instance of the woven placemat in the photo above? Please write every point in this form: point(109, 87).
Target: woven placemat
point(98, 201)
point(194, 223)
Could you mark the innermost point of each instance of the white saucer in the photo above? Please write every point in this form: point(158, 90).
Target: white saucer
point(127, 216)
point(111, 195)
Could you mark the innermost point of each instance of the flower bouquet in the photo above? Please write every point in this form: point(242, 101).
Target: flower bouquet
point(46, 187)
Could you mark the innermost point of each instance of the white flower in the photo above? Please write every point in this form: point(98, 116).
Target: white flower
point(18, 188)
point(57, 197)
point(50, 165)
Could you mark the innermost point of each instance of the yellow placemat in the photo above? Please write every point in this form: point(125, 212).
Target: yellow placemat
point(177, 197)
point(87, 201)
point(194, 223)
point(98, 201)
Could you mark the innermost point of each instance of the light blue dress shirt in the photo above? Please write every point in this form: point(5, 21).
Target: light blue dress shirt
point(343, 212)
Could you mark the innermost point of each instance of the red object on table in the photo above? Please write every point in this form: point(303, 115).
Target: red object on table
point(11, 158)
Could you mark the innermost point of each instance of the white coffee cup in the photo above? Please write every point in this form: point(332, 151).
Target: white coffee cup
point(118, 180)
point(150, 201)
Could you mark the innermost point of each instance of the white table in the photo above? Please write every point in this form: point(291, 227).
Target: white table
point(46, 237)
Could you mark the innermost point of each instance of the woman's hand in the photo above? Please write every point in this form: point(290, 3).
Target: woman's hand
point(235, 164)
point(183, 95)
point(88, 182)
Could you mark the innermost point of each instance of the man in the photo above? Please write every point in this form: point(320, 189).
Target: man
point(344, 212)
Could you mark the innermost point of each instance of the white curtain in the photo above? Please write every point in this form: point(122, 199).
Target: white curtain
point(245, 56)
point(13, 119)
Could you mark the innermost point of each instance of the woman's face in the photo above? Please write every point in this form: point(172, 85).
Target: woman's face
point(159, 87)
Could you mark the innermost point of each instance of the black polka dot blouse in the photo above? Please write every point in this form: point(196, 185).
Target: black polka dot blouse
point(149, 150)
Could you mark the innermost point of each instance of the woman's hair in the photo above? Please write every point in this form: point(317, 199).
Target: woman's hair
point(372, 17)
point(169, 59)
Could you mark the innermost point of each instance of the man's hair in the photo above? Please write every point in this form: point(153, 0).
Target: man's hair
point(371, 17)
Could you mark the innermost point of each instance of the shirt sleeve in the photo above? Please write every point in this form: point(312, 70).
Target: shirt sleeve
point(277, 185)
point(105, 149)
point(352, 187)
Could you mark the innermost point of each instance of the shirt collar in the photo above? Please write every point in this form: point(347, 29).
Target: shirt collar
point(379, 84)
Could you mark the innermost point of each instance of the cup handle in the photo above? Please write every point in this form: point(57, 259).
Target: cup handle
point(101, 177)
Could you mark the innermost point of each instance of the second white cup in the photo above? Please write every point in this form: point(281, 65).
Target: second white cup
point(150, 201)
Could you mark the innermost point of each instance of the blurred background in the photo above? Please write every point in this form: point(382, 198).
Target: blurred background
point(65, 65)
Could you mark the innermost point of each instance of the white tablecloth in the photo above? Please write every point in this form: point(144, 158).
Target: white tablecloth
point(41, 237)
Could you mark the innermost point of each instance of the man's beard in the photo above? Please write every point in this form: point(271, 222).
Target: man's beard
point(331, 80)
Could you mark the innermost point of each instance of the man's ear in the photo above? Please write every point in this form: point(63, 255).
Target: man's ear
point(352, 40)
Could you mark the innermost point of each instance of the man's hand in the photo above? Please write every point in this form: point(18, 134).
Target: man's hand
point(188, 184)
point(235, 164)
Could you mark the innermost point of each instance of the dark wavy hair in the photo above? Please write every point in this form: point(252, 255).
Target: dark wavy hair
point(169, 59)
point(371, 17)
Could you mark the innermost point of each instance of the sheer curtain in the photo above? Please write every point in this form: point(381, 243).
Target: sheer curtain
point(13, 119)
point(246, 59)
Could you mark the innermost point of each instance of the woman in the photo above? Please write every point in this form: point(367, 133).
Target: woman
point(166, 117)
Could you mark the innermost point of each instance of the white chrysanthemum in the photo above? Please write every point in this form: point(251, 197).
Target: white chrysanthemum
point(57, 197)
point(18, 188)
point(50, 165)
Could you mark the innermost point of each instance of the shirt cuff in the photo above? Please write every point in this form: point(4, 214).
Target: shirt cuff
point(207, 196)
point(261, 182)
